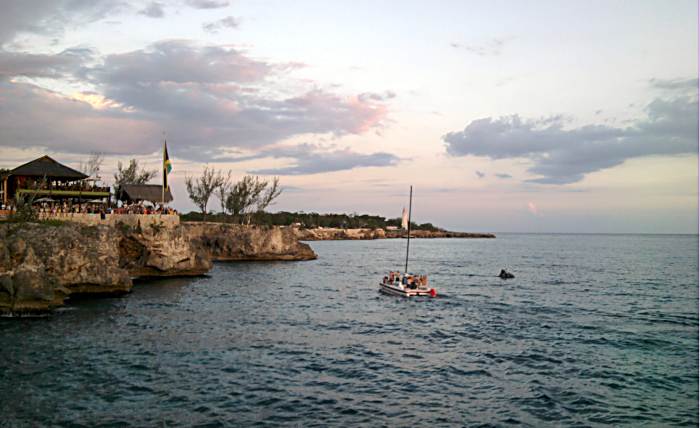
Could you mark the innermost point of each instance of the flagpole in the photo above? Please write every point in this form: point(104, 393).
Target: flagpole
point(162, 193)
point(408, 237)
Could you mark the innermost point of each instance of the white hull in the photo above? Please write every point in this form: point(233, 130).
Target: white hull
point(399, 290)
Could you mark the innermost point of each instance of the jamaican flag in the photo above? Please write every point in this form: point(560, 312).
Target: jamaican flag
point(167, 165)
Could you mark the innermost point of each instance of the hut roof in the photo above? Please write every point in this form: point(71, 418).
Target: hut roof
point(47, 167)
point(145, 192)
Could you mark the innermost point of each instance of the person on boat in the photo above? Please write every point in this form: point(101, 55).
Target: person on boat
point(412, 282)
point(385, 279)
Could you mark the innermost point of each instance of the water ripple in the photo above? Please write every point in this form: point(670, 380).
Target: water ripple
point(594, 330)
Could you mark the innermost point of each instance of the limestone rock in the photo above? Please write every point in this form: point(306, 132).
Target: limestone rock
point(40, 265)
point(333, 234)
point(230, 242)
point(162, 252)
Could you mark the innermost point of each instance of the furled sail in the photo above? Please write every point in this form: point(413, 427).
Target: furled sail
point(404, 218)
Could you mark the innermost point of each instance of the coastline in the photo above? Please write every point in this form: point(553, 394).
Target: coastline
point(338, 234)
point(43, 264)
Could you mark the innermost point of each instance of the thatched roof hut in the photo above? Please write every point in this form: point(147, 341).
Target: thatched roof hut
point(45, 166)
point(144, 192)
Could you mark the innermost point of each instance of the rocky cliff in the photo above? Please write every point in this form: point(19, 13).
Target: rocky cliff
point(331, 234)
point(428, 234)
point(232, 242)
point(42, 264)
point(161, 251)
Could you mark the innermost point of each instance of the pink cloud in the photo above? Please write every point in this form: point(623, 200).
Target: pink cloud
point(532, 208)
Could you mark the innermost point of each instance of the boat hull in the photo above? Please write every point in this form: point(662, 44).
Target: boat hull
point(397, 290)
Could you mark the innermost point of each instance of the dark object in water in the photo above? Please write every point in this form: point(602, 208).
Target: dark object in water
point(505, 275)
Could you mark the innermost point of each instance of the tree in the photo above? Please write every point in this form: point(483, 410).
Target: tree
point(223, 190)
point(24, 204)
point(250, 195)
point(200, 191)
point(92, 166)
point(132, 174)
point(244, 195)
point(269, 195)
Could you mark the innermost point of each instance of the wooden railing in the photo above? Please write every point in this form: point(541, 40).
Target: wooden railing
point(79, 193)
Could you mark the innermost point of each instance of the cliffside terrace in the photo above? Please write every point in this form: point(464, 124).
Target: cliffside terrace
point(44, 177)
point(81, 189)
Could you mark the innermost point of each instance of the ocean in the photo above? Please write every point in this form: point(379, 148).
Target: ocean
point(593, 330)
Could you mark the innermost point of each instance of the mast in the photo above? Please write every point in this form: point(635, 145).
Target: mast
point(165, 177)
point(408, 236)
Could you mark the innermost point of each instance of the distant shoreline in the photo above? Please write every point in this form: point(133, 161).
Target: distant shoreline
point(339, 234)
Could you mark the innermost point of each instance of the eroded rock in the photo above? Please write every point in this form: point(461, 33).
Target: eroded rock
point(41, 264)
point(232, 242)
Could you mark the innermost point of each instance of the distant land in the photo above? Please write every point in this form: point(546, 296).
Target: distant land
point(332, 226)
point(311, 220)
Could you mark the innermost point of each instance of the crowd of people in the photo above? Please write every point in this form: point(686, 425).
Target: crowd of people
point(75, 186)
point(140, 208)
point(46, 209)
point(50, 208)
point(408, 280)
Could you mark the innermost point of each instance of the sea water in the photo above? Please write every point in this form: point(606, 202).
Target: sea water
point(593, 330)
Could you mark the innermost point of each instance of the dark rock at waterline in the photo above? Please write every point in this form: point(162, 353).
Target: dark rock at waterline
point(505, 274)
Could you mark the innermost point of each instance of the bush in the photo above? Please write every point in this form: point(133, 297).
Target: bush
point(24, 210)
point(52, 223)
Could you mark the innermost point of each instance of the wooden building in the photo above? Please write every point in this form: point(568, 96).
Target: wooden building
point(46, 178)
point(153, 193)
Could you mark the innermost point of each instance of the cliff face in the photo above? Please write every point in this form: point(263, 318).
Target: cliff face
point(41, 265)
point(154, 251)
point(231, 242)
point(331, 234)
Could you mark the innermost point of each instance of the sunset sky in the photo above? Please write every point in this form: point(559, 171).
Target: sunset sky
point(541, 116)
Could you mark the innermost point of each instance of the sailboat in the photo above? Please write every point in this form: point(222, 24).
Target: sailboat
point(406, 284)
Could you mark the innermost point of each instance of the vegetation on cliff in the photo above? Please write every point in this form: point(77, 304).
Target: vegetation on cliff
point(312, 220)
point(241, 200)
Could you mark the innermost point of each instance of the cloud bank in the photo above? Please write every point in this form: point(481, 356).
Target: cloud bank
point(153, 10)
point(207, 4)
point(561, 155)
point(209, 98)
point(214, 27)
point(310, 159)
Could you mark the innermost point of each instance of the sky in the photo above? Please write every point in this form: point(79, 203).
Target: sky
point(505, 116)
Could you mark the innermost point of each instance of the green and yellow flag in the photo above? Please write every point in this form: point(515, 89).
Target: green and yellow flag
point(167, 165)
